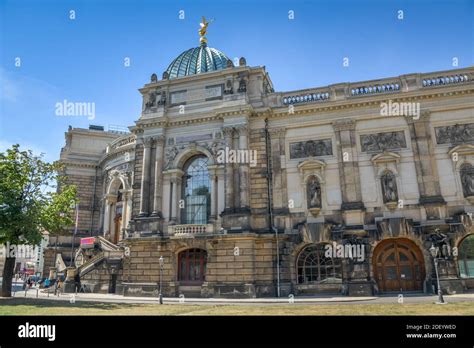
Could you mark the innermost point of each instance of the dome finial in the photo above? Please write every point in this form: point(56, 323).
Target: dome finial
point(203, 30)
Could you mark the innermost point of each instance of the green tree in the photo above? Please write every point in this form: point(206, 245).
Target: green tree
point(26, 202)
point(59, 211)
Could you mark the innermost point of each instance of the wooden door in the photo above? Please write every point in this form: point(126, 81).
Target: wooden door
point(398, 266)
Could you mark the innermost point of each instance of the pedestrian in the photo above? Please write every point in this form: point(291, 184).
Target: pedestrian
point(77, 282)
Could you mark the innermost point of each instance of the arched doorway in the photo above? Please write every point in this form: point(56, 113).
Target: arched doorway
point(398, 265)
point(192, 266)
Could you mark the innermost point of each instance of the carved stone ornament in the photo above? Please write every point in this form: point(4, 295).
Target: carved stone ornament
point(170, 155)
point(457, 134)
point(383, 141)
point(311, 148)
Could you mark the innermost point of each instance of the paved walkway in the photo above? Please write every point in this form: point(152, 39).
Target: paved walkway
point(318, 299)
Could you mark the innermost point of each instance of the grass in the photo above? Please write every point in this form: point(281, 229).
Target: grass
point(18, 306)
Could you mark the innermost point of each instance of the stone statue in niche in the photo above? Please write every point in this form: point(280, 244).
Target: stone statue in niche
point(389, 188)
point(467, 179)
point(313, 192)
point(151, 100)
point(457, 134)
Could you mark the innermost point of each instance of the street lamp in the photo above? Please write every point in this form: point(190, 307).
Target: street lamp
point(161, 277)
point(434, 253)
point(74, 234)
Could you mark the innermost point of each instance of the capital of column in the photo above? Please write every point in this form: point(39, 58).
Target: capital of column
point(341, 125)
point(160, 140)
point(110, 198)
point(241, 129)
point(147, 142)
point(423, 117)
point(228, 131)
point(278, 132)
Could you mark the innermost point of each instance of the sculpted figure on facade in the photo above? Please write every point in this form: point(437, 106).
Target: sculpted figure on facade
point(383, 141)
point(313, 190)
point(457, 134)
point(170, 155)
point(151, 100)
point(389, 188)
point(162, 100)
point(311, 148)
point(467, 179)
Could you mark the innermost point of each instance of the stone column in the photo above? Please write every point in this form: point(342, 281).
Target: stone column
point(175, 180)
point(127, 208)
point(145, 185)
point(214, 188)
point(220, 191)
point(229, 171)
point(157, 195)
point(425, 162)
point(174, 202)
point(280, 194)
point(348, 165)
point(243, 168)
point(110, 199)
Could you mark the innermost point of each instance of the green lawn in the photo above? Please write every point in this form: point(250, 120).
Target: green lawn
point(17, 306)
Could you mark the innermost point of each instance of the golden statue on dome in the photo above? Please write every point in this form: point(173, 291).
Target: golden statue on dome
point(203, 30)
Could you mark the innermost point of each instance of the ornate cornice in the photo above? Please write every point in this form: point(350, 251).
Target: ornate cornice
point(304, 109)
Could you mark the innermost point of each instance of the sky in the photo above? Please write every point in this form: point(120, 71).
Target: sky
point(49, 54)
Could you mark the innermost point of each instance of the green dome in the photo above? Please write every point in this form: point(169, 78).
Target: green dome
point(196, 61)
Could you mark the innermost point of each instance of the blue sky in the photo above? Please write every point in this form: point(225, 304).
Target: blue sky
point(83, 59)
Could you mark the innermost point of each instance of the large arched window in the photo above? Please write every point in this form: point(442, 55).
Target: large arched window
point(192, 266)
point(196, 191)
point(315, 267)
point(466, 257)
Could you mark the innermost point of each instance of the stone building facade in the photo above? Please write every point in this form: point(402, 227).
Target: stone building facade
point(242, 190)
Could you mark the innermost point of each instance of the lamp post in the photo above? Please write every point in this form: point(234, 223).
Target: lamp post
point(161, 277)
point(434, 253)
point(74, 234)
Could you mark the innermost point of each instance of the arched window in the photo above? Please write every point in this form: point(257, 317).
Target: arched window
point(467, 179)
point(315, 267)
point(389, 187)
point(466, 257)
point(196, 191)
point(192, 266)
